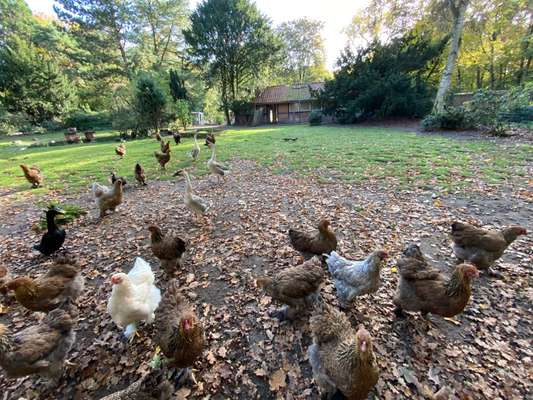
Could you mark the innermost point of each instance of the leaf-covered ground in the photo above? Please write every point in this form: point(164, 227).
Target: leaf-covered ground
point(485, 354)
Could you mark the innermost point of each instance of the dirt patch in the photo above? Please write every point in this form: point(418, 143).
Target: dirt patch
point(484, 354)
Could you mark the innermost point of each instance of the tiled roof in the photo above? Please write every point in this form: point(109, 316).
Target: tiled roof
point(287, 94)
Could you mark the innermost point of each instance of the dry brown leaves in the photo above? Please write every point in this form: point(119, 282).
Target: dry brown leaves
point(484, 353)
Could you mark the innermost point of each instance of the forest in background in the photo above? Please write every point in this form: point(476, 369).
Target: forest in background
point(126, 63)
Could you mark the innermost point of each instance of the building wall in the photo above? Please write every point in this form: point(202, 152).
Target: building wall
point(285, 113)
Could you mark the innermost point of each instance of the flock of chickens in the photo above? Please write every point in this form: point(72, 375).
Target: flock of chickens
point(341, 357)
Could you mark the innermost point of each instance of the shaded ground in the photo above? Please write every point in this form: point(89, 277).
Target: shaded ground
point(486, 354)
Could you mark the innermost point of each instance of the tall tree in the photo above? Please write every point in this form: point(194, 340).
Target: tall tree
point(304, 55)
point(158, 26)
point(234, 41)
point(103, 28)
point(458, 9)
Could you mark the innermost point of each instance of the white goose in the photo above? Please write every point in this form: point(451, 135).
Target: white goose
point(216, 168)
point(195, 152)
point(194, 203)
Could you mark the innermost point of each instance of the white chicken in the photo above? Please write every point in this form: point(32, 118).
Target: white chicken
point(134, 297)
point(216, 168)
point(194, 203)
point(355, 278)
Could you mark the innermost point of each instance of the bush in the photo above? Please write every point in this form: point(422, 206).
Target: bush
point(14, 122)
point(315, 118)
point(84, 120)
point(453, 118)
point(382, 80)
point(150, 101)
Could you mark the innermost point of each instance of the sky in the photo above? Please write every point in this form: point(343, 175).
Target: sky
point(336, 14)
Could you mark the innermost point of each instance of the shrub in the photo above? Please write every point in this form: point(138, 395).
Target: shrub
point(453, 118)
point(14, 122)
point(382, 80)
point(84, 120)
point(315, 118)
point(150, 103)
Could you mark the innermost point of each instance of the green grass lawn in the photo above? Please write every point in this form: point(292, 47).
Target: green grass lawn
point(346, 153)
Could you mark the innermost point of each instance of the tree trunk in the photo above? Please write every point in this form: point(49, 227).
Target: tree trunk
point(479, 78)
point(225, 100)
point(458, 11)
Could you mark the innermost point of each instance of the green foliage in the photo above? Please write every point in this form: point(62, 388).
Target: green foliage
point(233, 41)
point(177, 86)
point(382, 81)
point(183, 112)
point(315, 118)
point(14, 122)
point(303, 52)
point(453, 118)
point(32, 82)
point(88, 120)
point(72, 212)
point(150, 103)
point(243, 110)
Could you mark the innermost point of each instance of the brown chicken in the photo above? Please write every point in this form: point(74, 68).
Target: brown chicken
point(210, 140)
point(179, 331)
point(120, 150)
point(62, 282)
point(108, 198)
point(163, 157)
point(424, 288)
point(296, 287)
point(168, 249)
point(322, 242)
point(41, 349)
point(139, 174)
point(341, 358)
point(33, 175)
point(5, 277)
point(177, 137)
point(480, 246)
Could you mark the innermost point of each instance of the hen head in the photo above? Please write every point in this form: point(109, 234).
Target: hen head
point(21, 284)
point(363, 341)
point(510, 234)
point(413, 251)
point(382, 254)
point(469, 271)
point(118, 279)
point(324, 225)
point(3, 271)
point(263, 281)
point(187, 323)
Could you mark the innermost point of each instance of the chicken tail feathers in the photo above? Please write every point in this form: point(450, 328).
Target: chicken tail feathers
point(141, 272)
point(334, 262)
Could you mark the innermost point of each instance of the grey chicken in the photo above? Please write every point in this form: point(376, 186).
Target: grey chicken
point(355, 278)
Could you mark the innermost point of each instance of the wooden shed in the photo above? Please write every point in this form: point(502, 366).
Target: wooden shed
point(285, 104)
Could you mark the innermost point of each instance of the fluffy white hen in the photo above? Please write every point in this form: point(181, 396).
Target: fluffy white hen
point(355, 278)
point(134, 297)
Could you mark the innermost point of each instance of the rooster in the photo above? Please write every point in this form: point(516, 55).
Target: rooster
point(355, 278)
point(33, 175)
point(342, 359)
point(134, 297)
point(106, 198)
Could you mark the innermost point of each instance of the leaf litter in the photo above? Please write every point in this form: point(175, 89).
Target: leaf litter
point(483, 353)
